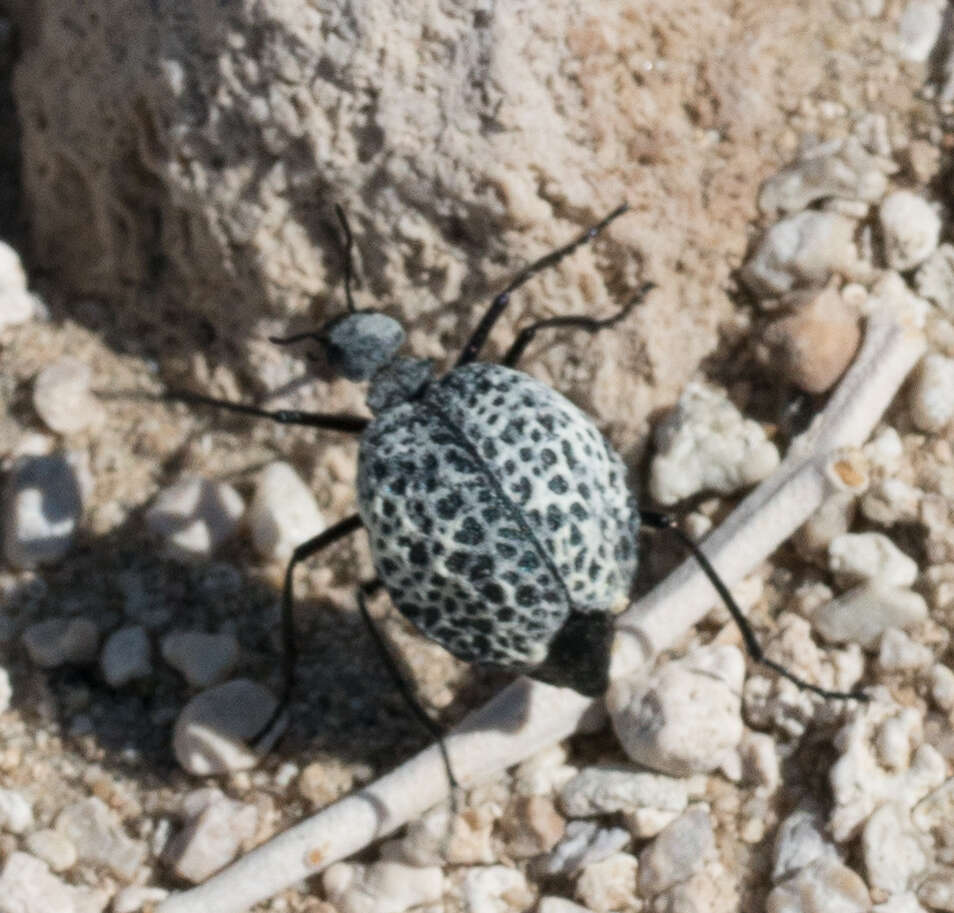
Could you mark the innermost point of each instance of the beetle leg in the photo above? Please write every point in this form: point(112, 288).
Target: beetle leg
point(476, 342)
point(422, 716)
point(289, 651)
point(349, 424)
point(578, 321)
point(752, 645)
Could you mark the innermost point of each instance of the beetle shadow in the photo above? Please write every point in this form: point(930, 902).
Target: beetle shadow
point(345, 708)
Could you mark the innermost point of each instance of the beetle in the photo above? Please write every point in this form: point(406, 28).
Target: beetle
point(498, 516)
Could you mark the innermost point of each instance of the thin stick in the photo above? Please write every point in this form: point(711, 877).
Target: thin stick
point(527, 716)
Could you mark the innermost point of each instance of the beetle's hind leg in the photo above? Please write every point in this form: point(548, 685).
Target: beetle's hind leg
point(753, 647)
point(422, 716)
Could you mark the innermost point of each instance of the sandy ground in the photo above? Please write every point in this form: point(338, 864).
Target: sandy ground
point(68, 735)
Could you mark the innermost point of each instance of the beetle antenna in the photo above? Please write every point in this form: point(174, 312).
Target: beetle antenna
point(349, 261)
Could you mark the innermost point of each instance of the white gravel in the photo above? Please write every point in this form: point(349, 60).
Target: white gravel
point(865, 612)
point(42, 508)
point(17, 304)
point(910, 227)
point(202, 659)
point(686, 718)
point(195, 516)
point(210, 732)
point(705, 444)
point(59, 641)
point(62, 398)
point(126, 656)
point(216, 829)
point(283, 513)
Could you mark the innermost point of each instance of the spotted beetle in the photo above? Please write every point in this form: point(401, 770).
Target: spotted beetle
point(499, 518)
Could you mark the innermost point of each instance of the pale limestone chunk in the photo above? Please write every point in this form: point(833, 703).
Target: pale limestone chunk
point(686, 718)
point(910, 229)
point(705, 444)
point(382, 887)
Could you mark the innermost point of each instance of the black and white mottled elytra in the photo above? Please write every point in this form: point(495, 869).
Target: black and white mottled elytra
point(498, 515)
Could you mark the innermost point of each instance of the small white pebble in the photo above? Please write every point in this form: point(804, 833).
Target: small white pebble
point(677, 853)
point(99, 838)
point(825, 884)
point(799, 841)
point(42, 508)
point(202, 659)
point(648, 801)
point(6, 690)
point(543, 773)
point(942, 687)
point(195, 516)
point(809, 597)
point(62, 398)
point(17, 305)
point(382, 887)
point(937, 889)
point(885, 450)
point(583, 843)
point(686, 717)
point(210, 733)
point(137, 899)
point(934, 279)
point(495, 889)
point(754, 820)
point(882, 757)
point(833, 518)
point(705, 444)
point(910, 227)
point(895, 853)
point(125, 656)
point(283, 513)
point(804, 249)
point(891, 501)
point(898, 652)
point(892, 293)
point(28, 886)
point(919, 29)
point(610, 884)
point(894, 741)
point(440, 836)
point(286, 774)
point(532, 827)
point(860, 557)
point(59, 641)
point(212, 838)
point(930, 400)
point(53, 848)
point(16, 815)
point(840, 168)
point(864, 613)
point(560, 905)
